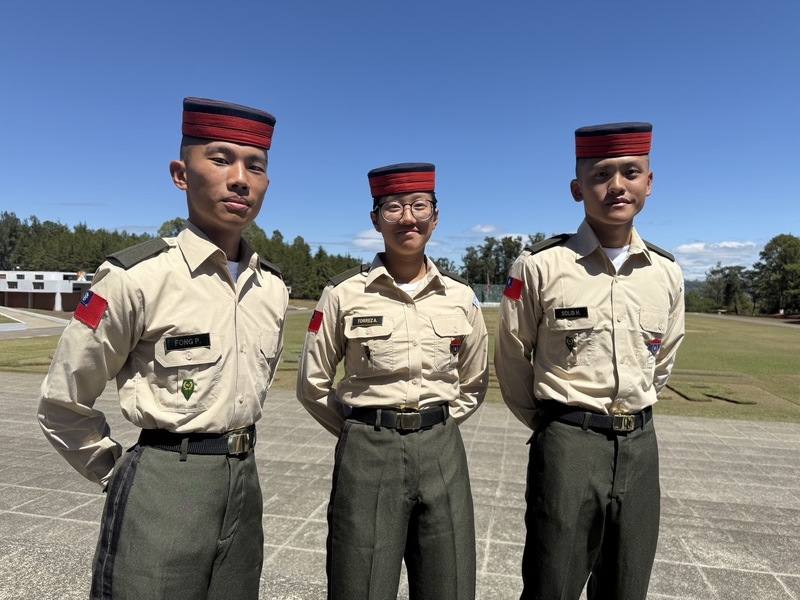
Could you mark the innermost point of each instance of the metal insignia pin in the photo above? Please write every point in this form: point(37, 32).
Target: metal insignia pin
point(570, 341)
point(187, 388)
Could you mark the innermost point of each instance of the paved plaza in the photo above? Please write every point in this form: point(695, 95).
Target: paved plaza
point(730, 526)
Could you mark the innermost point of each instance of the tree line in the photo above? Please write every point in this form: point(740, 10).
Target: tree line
point(772, 285)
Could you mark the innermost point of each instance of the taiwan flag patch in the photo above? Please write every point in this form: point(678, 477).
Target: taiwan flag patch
point(513, 289)
point(91, 309)
point(316, 322)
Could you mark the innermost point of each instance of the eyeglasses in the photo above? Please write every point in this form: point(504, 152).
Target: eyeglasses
point(392, 212)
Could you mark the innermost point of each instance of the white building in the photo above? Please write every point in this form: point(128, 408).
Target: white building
point(47, 290)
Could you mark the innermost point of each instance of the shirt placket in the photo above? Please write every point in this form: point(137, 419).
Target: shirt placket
point(618, 328)
point(413, 352)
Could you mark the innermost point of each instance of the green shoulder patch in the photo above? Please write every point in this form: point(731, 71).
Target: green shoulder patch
point(265, 264)
point(337, 279)
point(556, 240)
point(659, 251)
point(455, 277)
point(135, 254)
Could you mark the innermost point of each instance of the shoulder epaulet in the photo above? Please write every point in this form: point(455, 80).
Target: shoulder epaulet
point(135, 254)
point(265, 264)
point(659, 251)
point(337, 279)
point(452, 275)
point(556, 240)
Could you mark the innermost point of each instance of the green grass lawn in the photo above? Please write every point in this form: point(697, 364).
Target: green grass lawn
point(725, 369)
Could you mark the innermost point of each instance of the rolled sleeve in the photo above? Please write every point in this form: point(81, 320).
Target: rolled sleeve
point(676, 330)
point(473, 367)
point(84, 361)
point(321, 354)
point(516, 342)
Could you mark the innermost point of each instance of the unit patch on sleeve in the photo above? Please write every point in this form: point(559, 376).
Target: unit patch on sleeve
point(513, 289)
point(316, 322)
point(654, 346)
point(91, 309)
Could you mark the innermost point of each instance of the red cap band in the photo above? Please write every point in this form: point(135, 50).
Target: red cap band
point(402, 183)
point(614, 144)
point(227, 128)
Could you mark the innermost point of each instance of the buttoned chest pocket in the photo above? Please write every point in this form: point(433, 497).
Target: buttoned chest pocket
point(449, 332)
point(369, 348)
point(570, 342)
point(187, 375)
point(652, 327)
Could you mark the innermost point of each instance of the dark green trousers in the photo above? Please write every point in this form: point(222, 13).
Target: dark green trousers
point(593, 505)
point(175, 530)
point(400, 496)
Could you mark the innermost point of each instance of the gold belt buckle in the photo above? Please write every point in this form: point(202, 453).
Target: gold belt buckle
point(625, 423)
point(409, 421)
point(239, 443)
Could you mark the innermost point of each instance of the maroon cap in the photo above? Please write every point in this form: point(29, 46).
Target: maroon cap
point(613, 139)
point(216, 120)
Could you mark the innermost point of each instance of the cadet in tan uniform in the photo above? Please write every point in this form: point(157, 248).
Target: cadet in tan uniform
point(589, 327)
point(414, 347)
point(191, 328)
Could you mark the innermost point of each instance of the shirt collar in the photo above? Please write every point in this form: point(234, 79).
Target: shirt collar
point(585, 241)
point(378, 271)
point(197, 249)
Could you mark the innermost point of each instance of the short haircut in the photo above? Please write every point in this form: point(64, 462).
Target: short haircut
point(580, 162)
point(187, 141)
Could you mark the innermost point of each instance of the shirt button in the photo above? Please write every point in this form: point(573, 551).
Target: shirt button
point(414, 343)
point(188, 356)
point(244, 350)
point(414, 382)
point(619, 319)
point(241, 400)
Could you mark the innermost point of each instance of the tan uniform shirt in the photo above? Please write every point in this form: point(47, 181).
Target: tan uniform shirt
point(174, 318)
point(585, 335)
point(399, 350)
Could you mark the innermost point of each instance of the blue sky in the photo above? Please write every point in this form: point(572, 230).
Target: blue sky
point(490, 92)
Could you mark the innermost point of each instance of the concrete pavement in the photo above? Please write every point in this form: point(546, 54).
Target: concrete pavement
point(730, 504)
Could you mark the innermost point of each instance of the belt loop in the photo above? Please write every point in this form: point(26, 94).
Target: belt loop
point(445, 412)
point(184, 449)
point(586, 416)
point(378, 419)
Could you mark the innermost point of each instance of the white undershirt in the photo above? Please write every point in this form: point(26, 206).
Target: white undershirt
point(408, 288)
point(233, 267)
point(617, 256)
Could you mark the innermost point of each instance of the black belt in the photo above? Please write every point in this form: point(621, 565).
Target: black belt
point(401, 420)
point(232, 443)
point(590, 420)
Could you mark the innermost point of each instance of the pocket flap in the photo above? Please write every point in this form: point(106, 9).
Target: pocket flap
point(587, 322)
point(186, 357)
point(653, 320)
point(268, 343)
point(367, 326)
point(451, 325)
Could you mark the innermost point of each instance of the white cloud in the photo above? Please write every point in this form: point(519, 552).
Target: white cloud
point(697, 258)
point(737, 245)
point(483, 229)
point(695, 248)
point(369, 239)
